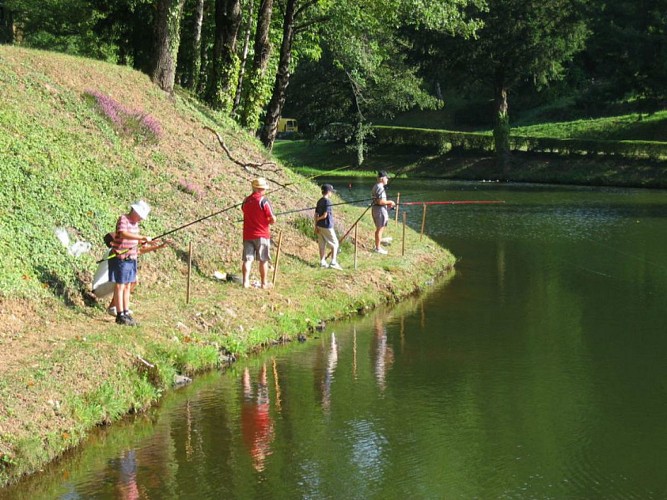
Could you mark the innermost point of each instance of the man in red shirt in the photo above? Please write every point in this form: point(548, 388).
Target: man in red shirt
point(257, 217)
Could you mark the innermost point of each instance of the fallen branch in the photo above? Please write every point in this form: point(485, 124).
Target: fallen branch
point(246, 165)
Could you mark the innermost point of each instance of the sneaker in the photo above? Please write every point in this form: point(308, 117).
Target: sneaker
point(335, 265)
point(381, 251)
point(125, 320)
point(324, 264)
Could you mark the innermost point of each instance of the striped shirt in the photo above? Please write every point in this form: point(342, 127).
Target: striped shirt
point(124, 248)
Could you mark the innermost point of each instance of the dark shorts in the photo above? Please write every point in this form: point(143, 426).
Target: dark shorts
point(122, 271)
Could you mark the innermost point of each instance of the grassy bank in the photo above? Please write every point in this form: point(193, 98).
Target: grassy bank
point(524, 167)
point(79, 141)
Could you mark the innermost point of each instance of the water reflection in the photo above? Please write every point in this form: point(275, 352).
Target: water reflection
point(256, 418)
point(127, 480)
point(332, 362)
point(384, 354)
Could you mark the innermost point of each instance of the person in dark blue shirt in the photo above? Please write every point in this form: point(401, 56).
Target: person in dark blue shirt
point(324, 228)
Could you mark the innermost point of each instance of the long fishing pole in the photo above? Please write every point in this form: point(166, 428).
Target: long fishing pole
point(384, 190)
point(179, 228)
point(313, 208)
point(171, 231)
point(453, 202)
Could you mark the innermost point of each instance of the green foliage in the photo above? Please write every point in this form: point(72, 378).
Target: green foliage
point(436, 141)
point(627, 56)
point(441, 141)
point(305, 225)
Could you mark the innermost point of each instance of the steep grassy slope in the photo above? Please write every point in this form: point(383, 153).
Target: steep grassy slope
point(64, 163)
point(79, 141)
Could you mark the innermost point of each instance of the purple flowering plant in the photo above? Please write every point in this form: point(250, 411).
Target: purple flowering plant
point(142, 126)
point(190, 188)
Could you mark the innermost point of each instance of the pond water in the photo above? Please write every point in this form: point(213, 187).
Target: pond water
point(537, 371)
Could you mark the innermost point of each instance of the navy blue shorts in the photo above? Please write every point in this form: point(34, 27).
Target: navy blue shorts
point(122, 271)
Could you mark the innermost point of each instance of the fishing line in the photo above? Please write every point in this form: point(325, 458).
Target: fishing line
point(453, 202)
point(201, 219)
point(313, 208)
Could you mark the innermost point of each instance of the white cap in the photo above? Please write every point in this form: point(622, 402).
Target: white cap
point(141, 208)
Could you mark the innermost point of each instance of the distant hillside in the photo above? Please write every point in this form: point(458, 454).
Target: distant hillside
point(80, 140)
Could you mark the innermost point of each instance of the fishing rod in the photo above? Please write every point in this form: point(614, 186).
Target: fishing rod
point(313, 208)
point(384, 190)
point(179, 228)
point(454, 202)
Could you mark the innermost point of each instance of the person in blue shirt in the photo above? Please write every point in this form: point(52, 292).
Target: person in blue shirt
point(324, 228)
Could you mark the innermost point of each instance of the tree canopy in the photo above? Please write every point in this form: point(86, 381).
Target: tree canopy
point(351, 62)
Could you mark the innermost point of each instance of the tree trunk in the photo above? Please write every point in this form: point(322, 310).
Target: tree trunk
point(224, 64)
point(195, 68)
point(244, 58)
point(359, 125)
point(270, 128)
point(256, 90)
point(167, 39)
point(501, 129)
point(6, 24)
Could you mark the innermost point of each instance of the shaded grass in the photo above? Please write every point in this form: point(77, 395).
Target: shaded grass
point(634, 126)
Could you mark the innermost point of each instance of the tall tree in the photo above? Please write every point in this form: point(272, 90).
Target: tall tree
point(167, 40)
point(365, 60)
point(244, 56)
point(6, 24)
point(294, 12)
point(257, 88)
point(521, 40)
point(189, 53)
point(224, 65)
point(627, 54)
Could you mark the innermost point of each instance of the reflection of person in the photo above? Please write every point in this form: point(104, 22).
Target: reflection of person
point(256, 420)
point(379, 209)
point(384, 354)
point(257, 217)
point(128, 476)
point(332, 361)
point(123, 267)
point(324, 228)
point(148, 247)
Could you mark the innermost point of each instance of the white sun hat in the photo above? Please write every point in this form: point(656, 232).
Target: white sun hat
point(141, 208)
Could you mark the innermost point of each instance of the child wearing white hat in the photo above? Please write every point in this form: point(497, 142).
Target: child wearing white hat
point(123, 265)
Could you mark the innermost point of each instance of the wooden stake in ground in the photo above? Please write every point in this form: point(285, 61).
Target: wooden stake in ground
point(405, 219)
point(275, 268)
point(187, 290)
point(398, 201)
point(356, 246)
point(423, 221)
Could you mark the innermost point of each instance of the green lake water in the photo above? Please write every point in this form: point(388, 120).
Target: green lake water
point(537, 371)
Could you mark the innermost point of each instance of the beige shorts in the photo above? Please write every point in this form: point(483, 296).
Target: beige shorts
point(380, 216)
point(259, 249)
